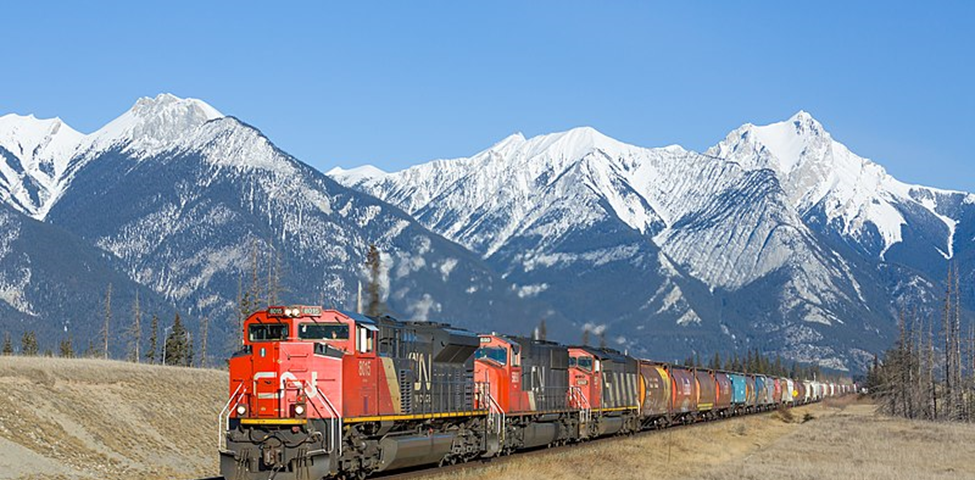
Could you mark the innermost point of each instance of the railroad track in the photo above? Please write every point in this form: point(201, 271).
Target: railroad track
point(416, 472)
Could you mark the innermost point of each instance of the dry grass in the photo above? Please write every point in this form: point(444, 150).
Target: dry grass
point(856, 443)
point(87, 419)
point(837, 439)
point(94, 419)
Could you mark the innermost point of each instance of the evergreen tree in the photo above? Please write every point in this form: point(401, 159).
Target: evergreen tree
point(542, 330)
point(28, 344)
point(585, 337)
point(90, 352)
point(65, 350)
point(716, 362)
point(153, 340)
point(8, 346)
point(176, 349)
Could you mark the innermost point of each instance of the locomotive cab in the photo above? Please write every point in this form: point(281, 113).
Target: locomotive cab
point(584, 378)
point(497, 369)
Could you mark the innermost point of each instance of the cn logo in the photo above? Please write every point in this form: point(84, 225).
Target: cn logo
point(311, 390)
point(422, 369)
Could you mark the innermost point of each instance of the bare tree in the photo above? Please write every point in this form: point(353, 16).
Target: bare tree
point(108, 319)
point(204, 327)
point(255, 290)
point(274, 274)
point(135, 331)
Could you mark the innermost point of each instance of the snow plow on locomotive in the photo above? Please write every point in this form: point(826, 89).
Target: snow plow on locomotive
point(318, 393)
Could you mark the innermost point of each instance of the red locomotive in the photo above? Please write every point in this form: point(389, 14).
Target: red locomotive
point(320, 393)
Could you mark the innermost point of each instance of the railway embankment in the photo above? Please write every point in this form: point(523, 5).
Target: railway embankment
point(97, 419)
point(839, 438)
point(102, 419)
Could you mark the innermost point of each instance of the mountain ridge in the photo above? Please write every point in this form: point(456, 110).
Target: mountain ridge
point(784, 198)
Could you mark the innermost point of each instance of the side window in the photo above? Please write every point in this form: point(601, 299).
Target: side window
point(515, 356)
point(365, 340)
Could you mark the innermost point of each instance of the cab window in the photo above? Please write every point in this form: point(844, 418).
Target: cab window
point(584, 363)
point(267, 332)
point(494, 354)
point(323, 331)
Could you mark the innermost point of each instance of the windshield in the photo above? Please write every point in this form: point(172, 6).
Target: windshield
point(323, 331)
point(268, 332)
point(584, 363)
point(495, 354)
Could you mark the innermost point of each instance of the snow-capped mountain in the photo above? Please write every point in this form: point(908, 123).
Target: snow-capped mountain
point(185, 200)
point(34, 156)
point(778, 237)
point(853, 195)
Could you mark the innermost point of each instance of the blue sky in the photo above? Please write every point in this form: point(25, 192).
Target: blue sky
point(398, 83)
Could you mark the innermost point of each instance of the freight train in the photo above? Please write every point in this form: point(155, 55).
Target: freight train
point(318, 393)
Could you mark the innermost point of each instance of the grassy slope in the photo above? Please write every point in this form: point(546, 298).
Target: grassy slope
point(84, 419)
point(840, 441)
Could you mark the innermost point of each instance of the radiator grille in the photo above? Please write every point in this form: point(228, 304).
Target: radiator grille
point(406, 391)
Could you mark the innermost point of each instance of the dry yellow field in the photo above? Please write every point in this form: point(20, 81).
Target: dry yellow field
point(98, 419)
point(95, 419)
point(841, 439)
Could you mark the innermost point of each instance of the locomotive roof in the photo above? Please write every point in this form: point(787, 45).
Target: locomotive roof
point(358, 317)
point(604, 353)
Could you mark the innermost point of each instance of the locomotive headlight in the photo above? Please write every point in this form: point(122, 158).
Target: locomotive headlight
point(287, 312)
point(299, 409)
point(241, 410)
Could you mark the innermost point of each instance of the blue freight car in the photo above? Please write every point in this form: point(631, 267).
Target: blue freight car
point(739, 393)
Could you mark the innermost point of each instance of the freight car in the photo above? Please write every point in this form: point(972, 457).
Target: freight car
point(318, 393)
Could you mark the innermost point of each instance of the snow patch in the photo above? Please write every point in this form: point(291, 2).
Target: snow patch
point(528, 291)
point(689, 317)
point(446, 267)
point(355, 175)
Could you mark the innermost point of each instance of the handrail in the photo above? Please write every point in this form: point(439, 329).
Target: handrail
point(224, 425)
point(585, 409)
point(336, 422)
point(494, 410)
